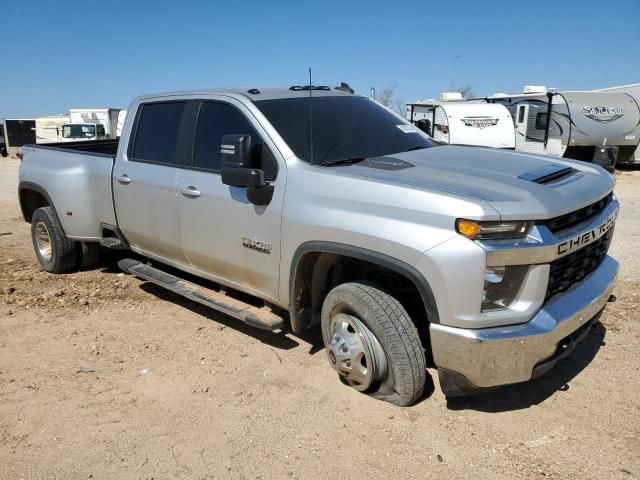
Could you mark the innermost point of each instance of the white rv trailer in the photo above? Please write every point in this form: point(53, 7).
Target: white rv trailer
point(107, 117)
point(632, 89)
point(452, 120)
point(597, 127)
point(49, 129)
point(18, 132)
point(122, 114)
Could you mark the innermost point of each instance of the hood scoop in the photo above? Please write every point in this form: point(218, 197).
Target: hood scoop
point(547, 173)
point(386, 163)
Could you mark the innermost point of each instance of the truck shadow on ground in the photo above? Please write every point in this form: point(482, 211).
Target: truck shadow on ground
point(525, 395)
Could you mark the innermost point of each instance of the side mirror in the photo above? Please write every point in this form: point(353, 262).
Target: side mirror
point(238, 171)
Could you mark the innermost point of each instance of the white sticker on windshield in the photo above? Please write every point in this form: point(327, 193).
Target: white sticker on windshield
point(407, 128)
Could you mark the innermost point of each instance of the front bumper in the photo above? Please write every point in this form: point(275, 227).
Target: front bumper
point(489, 357)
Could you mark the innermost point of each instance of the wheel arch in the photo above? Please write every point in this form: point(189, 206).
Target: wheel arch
point(310, 267)
point(31, 197)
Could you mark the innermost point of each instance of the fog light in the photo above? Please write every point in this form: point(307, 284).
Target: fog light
point(501, 286)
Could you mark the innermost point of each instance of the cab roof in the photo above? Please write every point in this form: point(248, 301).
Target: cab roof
point(258, 93)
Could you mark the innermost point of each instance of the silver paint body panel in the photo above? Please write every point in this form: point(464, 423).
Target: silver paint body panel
point(407, 215)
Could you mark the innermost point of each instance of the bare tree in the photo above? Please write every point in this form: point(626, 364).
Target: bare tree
point(466, 90)
point(385, 95)
point(401, 108)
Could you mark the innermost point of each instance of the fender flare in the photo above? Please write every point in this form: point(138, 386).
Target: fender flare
point(297, 276)
point(38, 189)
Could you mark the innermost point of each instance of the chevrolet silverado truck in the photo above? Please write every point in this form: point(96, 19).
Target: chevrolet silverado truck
point(307, 207)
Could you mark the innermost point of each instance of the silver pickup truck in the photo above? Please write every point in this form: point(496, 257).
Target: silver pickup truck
point(309, 207)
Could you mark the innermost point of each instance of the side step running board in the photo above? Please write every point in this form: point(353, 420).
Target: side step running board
point(249, 314)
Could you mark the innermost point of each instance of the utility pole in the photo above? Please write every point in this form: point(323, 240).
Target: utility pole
point(453, 67)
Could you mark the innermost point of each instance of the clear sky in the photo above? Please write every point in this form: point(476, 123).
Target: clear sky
point(64, 54)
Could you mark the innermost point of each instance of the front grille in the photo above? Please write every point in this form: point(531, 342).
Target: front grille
point(573, 268)
point(570, 219)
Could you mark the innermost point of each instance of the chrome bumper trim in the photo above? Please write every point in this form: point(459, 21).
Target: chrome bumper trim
point(495, 356)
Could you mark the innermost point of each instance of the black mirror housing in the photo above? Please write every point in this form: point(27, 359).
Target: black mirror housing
point(236, 151)
point(243, 177)
point(237, 169)
point(237, 165)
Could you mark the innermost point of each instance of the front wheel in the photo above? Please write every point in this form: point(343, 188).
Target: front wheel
point(373, 344)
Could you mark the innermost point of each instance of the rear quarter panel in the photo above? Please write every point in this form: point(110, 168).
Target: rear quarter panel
point(78, 184)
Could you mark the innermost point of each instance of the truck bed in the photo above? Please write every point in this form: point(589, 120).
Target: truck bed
point(76, 176)
point(103, 147)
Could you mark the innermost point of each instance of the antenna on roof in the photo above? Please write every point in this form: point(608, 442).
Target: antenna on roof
point(310, 120)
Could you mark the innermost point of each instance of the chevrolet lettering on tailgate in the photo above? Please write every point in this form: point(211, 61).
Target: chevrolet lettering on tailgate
point(589, 237)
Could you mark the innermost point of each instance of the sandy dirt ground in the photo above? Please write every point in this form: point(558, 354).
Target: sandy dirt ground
point(105, 377)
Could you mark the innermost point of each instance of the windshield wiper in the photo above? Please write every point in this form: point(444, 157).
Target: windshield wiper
point(343, 161)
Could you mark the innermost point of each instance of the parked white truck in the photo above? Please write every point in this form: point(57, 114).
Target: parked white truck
point(105, 121)
point(307, 207)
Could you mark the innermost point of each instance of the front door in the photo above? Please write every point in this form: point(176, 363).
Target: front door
point(224, 235)
point(145, 180)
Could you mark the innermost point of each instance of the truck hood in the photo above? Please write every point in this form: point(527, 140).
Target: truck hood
point(493, 176)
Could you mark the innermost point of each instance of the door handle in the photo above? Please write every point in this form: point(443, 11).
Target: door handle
point(190, 192)
point(124, 179)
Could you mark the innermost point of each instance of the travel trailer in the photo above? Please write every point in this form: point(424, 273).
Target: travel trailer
point(18, 132)
point(452, 120)
point(106, 117)
point(598, 127)
point(49, 129)
point(632, 89)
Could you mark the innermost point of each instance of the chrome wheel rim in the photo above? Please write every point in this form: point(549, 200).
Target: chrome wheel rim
point(43, 241)
point(355, 353)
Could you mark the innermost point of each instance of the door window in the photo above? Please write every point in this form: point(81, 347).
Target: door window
point(521, 114)
point(216, 120)
point(157, 131)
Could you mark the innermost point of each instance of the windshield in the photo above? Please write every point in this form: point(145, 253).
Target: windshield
point(343, 128)
point(78, 131)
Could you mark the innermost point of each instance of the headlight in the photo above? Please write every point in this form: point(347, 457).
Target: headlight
point(488, 230)
point(501, 286)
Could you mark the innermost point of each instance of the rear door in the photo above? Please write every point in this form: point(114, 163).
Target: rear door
point(144, 180)
point(224, 235)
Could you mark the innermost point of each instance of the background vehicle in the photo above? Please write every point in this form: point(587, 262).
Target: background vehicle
point(324, 209)
point(107, 117)
point(633, 90)
point(597, 127)
point(49, 129)
point(72, 132)
point(455, 121)
point(3, 148)
point(18, 132)
point(122, 114)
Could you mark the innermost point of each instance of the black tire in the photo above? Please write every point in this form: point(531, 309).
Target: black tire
point(63, 257)
point(389, 322)
point(88, 254)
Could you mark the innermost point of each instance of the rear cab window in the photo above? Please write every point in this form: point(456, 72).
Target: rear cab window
point(157, 132)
